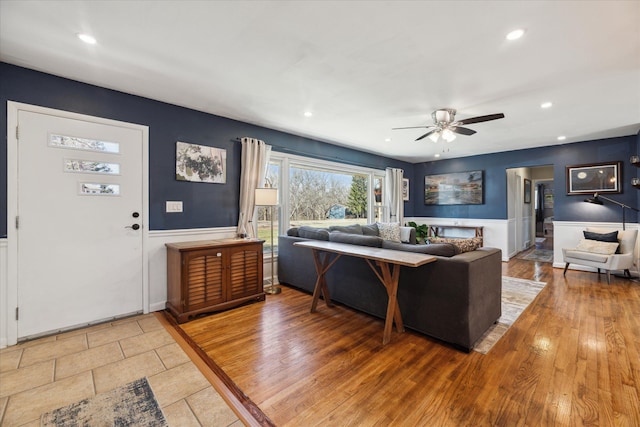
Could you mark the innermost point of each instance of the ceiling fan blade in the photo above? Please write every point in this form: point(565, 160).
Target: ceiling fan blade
point(414, 127)
point(427, 134)
point(481, 119)
point(462, 131)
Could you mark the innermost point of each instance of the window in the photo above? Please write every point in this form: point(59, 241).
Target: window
point(319, 193)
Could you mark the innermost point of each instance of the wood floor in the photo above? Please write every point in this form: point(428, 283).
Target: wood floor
point(572, 358)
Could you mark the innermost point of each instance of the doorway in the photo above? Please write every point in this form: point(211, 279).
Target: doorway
point(78, 193)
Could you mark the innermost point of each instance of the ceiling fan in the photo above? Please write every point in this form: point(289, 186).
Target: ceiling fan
point(446, 126)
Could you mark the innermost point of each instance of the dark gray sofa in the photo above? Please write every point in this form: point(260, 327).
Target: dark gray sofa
point(455, 299)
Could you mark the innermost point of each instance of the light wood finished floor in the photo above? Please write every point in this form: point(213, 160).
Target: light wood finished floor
point(572, 358)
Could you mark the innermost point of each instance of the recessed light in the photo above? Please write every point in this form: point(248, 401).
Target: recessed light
point(87, 38)
point(436, 155)
point(515, 34)
point(562, 138)
point(387, 140)
point(546, 105)
point(308, 114)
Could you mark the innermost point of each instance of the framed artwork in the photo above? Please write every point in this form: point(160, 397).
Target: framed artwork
point(596, 178)
point(405, 189)
point(460, 188)
point(200, 163)
point(527, 190)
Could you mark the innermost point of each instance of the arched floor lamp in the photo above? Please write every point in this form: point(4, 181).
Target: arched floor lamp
point(269, 197)
point(596, 199)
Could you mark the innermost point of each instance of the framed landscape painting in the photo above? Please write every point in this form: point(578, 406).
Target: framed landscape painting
point(200, 163)
point(598, 178)
point(460, 188)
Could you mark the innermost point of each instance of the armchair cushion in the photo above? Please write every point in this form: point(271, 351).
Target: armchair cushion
point(598, 247)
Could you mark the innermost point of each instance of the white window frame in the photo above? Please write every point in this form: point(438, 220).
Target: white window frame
point(287, 161)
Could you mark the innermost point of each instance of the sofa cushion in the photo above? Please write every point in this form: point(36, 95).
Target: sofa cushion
point(440, 249)
point(293, 232)
point(370, 230)
point(352, 229)
point(389, 231)
point(597, 246)
point(603, 237)
point(463, 245)
point(355, 239)
point(313, 233)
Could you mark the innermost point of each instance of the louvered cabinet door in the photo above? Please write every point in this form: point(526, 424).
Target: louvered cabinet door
point(245, 271)
point(212, 275)
point(204, 279)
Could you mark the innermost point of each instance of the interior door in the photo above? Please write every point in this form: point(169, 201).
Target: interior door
point(80, 239)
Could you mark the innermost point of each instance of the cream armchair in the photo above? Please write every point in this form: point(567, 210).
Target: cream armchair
point(597, 254)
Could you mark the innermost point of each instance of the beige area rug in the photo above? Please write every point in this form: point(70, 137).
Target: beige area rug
point(133, 404)
point(517, 294)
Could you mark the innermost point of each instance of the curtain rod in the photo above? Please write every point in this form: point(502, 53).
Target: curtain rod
point(318, 156)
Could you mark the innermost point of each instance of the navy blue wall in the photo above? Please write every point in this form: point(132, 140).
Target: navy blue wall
point(566, 208)
point(216, 205)
point(205, 205)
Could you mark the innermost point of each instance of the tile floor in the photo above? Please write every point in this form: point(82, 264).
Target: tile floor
point(47, 373)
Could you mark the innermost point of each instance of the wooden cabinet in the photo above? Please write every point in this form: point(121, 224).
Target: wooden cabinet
point(212, 275)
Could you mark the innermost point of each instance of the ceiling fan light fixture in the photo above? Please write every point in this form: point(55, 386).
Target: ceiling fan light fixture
point(434, 136)
point(448, 135)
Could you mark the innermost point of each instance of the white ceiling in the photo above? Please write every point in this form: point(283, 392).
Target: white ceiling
point(361, 67)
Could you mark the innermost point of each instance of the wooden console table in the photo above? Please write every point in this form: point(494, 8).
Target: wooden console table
point(212, 275)
point(434, 230)
point(325, 254)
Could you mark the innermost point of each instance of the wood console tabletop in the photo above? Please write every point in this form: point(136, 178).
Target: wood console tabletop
point(388, 261)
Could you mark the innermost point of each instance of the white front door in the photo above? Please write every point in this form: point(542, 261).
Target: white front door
point(80, 221)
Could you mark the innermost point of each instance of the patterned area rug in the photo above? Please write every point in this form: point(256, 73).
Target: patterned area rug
point(542, 255)
point(133, 404)
point(517, 294)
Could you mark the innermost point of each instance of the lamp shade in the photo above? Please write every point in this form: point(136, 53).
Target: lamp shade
point(266, 196)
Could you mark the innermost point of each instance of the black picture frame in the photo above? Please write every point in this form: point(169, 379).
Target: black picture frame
point(594, 178)
point(527, 190)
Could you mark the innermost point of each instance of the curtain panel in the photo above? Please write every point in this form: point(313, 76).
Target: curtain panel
point(394, 204)
point(254, 161)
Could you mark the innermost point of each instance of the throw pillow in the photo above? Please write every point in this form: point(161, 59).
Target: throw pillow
point(597, 247)
point(370, 230)
point(352, 229)
point(313, 233)
point(603, 237)
point(463, 245)
point(355, 239)
point(389, 230)
point(405, 234)
point(293, 232)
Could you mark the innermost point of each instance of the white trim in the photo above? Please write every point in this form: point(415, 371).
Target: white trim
point(9, 334)
point(3, 290)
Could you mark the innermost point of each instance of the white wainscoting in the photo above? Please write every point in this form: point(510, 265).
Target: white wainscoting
point(4, 309)
point(567, 234)
point(495, 231)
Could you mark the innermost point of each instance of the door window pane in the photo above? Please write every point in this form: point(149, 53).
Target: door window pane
point(94, 189)
point(64, 141)
point(89, 166)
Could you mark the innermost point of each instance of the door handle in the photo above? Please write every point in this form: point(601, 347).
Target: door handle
point(134, 226)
